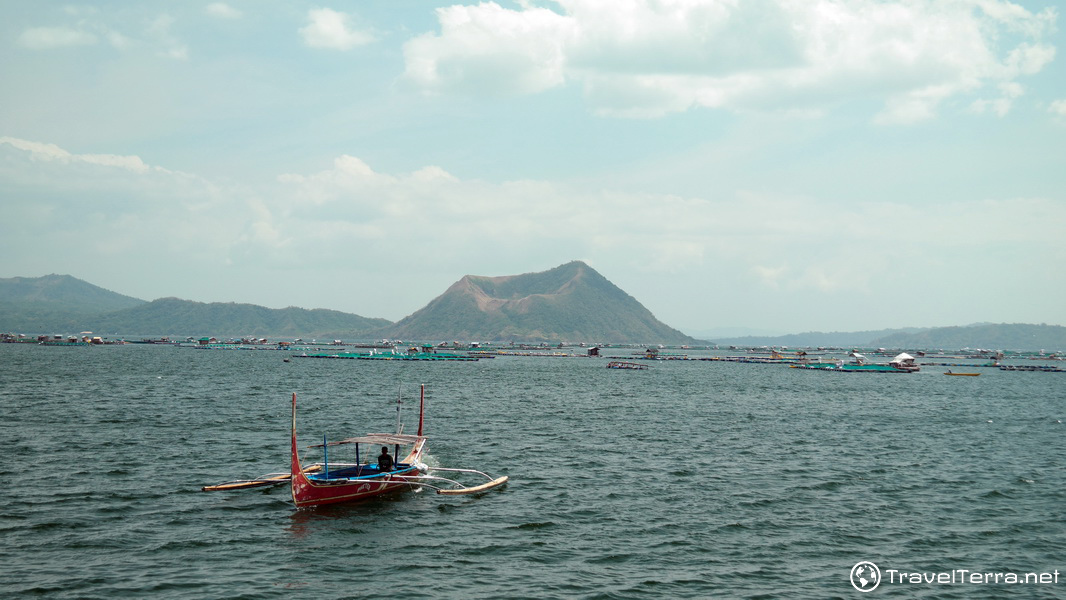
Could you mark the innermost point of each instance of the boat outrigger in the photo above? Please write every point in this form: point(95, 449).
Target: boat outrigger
point(324, 483)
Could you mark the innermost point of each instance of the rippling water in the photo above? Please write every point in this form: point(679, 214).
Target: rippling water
point(687, 480)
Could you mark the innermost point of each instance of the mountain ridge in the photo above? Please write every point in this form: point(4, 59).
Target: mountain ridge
point(989, 336)
point(67, 304)
point(170, 315)
point(583, 307)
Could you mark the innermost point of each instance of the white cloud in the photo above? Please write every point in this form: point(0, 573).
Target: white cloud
point(46, 38)
point(160, 35)
point(769, 276)
point(330, 29)
point(51, 152)
point(1009, 91)
point(107, 209)
point(1058, 107)
point(119, 41)
point(222, 10)
point(491, 49)
point(648, 58)
point(789, 244)
point(779, 238)
point(91, 26)
point(434, 174)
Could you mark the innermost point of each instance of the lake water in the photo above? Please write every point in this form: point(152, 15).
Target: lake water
point(686, 480)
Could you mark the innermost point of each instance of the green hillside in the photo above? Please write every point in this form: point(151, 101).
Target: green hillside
point(185, 317)
point(986, 335)
point(569, 303)
point(55, 302)
point(817, 338)
point(65, 304)
point(1016, 336)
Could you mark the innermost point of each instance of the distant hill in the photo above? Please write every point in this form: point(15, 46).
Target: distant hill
point(185, 317)
point(571, 302)
point(55, 302)
point(985, 335)
point(1016, 336)
point(816, 338)
point(63, 291)
point(65, 304)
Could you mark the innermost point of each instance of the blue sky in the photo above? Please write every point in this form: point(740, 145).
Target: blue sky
point(770, 166)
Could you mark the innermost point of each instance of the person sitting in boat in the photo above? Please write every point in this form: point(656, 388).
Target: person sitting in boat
point(384, 460)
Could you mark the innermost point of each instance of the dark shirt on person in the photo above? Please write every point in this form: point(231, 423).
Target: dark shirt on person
point(384, 462)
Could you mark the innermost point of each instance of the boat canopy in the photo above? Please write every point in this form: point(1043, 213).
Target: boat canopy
point(384, 439)
point(902, 357)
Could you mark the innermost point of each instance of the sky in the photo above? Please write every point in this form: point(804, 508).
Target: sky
point(737, 166)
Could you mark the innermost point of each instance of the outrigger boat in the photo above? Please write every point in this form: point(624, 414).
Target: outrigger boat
point(324, 483)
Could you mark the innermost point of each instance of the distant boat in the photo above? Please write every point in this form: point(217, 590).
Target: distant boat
point(408, 356)
point(1042, 368)
point(58, 340)
point(962, 374)
point(162, 340)
point(617, 364)
point(852, 368)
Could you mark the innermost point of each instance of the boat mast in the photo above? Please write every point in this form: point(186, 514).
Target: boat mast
point(421, 408)
point(325, 456)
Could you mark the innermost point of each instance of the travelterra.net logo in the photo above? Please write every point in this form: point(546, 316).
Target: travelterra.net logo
point(865, 576)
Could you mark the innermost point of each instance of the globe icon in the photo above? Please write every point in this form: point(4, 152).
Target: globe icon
point(865, 576)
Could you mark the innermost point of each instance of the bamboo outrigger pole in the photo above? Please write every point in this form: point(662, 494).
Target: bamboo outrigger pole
point(265, 480)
